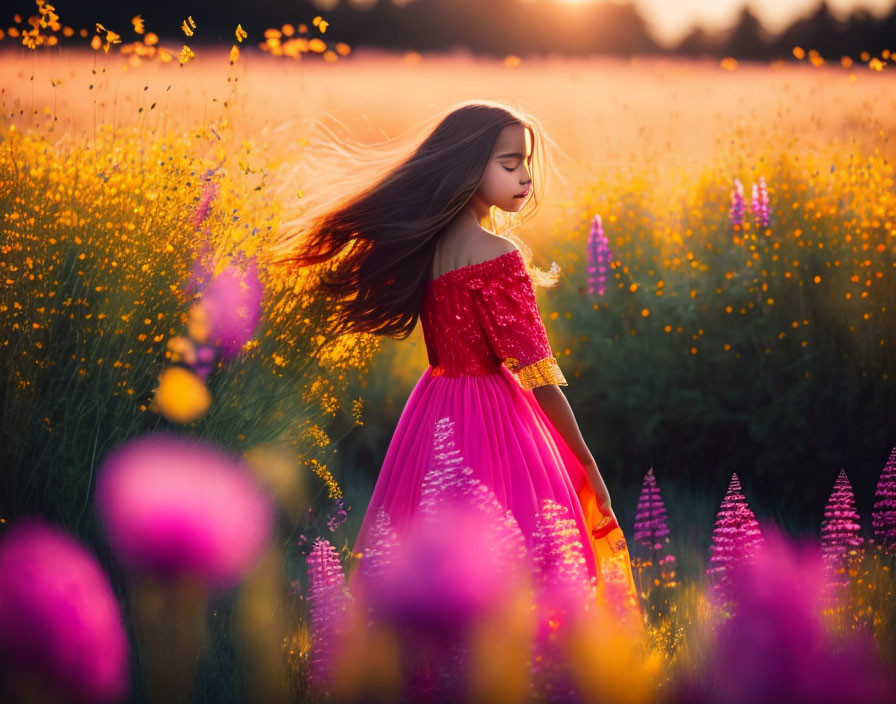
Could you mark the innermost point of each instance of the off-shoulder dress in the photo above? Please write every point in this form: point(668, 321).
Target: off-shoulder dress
point(487, 349)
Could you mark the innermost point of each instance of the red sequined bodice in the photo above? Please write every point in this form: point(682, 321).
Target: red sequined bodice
point(479, 316)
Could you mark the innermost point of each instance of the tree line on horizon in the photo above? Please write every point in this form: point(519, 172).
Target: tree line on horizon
point(501, 27)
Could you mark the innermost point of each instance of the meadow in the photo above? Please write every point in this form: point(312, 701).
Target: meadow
point(722, 346)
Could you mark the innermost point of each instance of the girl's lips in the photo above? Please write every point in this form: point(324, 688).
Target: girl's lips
point(523, 195)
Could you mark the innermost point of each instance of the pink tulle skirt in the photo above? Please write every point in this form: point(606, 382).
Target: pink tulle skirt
point(502, 433)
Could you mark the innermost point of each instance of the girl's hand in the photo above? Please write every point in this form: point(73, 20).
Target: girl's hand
point(609, 521)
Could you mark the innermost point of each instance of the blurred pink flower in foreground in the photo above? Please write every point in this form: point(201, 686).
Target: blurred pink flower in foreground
point(174, 506)
point(232, 302)
point(439, 583)
point(455, 562)
point(59, 620)
point(776, 647)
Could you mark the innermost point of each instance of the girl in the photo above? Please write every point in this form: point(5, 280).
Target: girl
point(416, 248)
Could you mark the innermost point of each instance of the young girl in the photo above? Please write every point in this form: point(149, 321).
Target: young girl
point(417, 248)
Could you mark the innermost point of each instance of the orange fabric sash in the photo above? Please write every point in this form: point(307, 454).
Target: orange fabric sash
point(616, 589)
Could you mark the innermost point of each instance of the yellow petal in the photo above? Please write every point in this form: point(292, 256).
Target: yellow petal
point(181, 396)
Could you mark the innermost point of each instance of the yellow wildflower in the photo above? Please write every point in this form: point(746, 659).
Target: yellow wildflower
point(181, 396)
point(185, 55)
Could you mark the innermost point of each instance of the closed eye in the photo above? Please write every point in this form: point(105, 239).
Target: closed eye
point(528, 162)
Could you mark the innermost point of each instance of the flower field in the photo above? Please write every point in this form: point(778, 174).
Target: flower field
point(187, 460)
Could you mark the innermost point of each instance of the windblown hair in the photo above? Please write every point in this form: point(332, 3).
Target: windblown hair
point(382, 236)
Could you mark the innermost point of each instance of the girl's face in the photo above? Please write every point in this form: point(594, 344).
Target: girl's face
point(506, 182)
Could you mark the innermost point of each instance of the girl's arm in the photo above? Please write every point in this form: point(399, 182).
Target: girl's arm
point(555, 406)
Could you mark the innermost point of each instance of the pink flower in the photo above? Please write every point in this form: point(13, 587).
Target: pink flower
point(59, 619)
point(841, 534)
point(776, 647)
point(175, 506)
point(329, 600)
point(598, 258)
point(651, 528)
point(883, 515)
point(233, 304)
point(736, 212)
point(760, 203)
point(464, 555)
point(735, 539)
point(441, 581)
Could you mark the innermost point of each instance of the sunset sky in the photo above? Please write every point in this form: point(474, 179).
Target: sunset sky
point(670, 20)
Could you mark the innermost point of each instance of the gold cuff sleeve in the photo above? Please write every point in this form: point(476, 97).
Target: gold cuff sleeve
point(544, 371)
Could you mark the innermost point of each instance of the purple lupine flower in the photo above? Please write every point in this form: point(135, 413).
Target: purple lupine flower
point(736, 538)
point(840, 539)
point(175, 506)
point(559, 558)
point(433, 581)
point(651, 529)
point(776, 647)
point(760, 203)
point(329, 604)
point(736, 213)
point(444, 576)
point(883, 515)
point(60, 622)
point(598, 256)
point(232, 302)
point(448, 481)
point(432, 590)
point(339, 516)
point(563, 593)
point(652, 532)
point(456, 563)
point(209, 191)
point(382, 550)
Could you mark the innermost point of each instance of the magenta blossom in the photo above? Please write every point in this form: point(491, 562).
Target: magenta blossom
point(776, 647)
point(233, 304)
point(651, 528)
point(883, 515)
point(841, 533)
point(760, 203)
point(174, 506)
point(453, 564)
point(598, 256)
point(736, 212)
point(329, 601)
point(59, 620)
point(442, 578)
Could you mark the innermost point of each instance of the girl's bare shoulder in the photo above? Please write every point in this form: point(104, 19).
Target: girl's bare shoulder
point(462, 247)
point(485, 245)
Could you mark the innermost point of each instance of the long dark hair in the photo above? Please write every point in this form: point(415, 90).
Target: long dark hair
point(382, 237)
